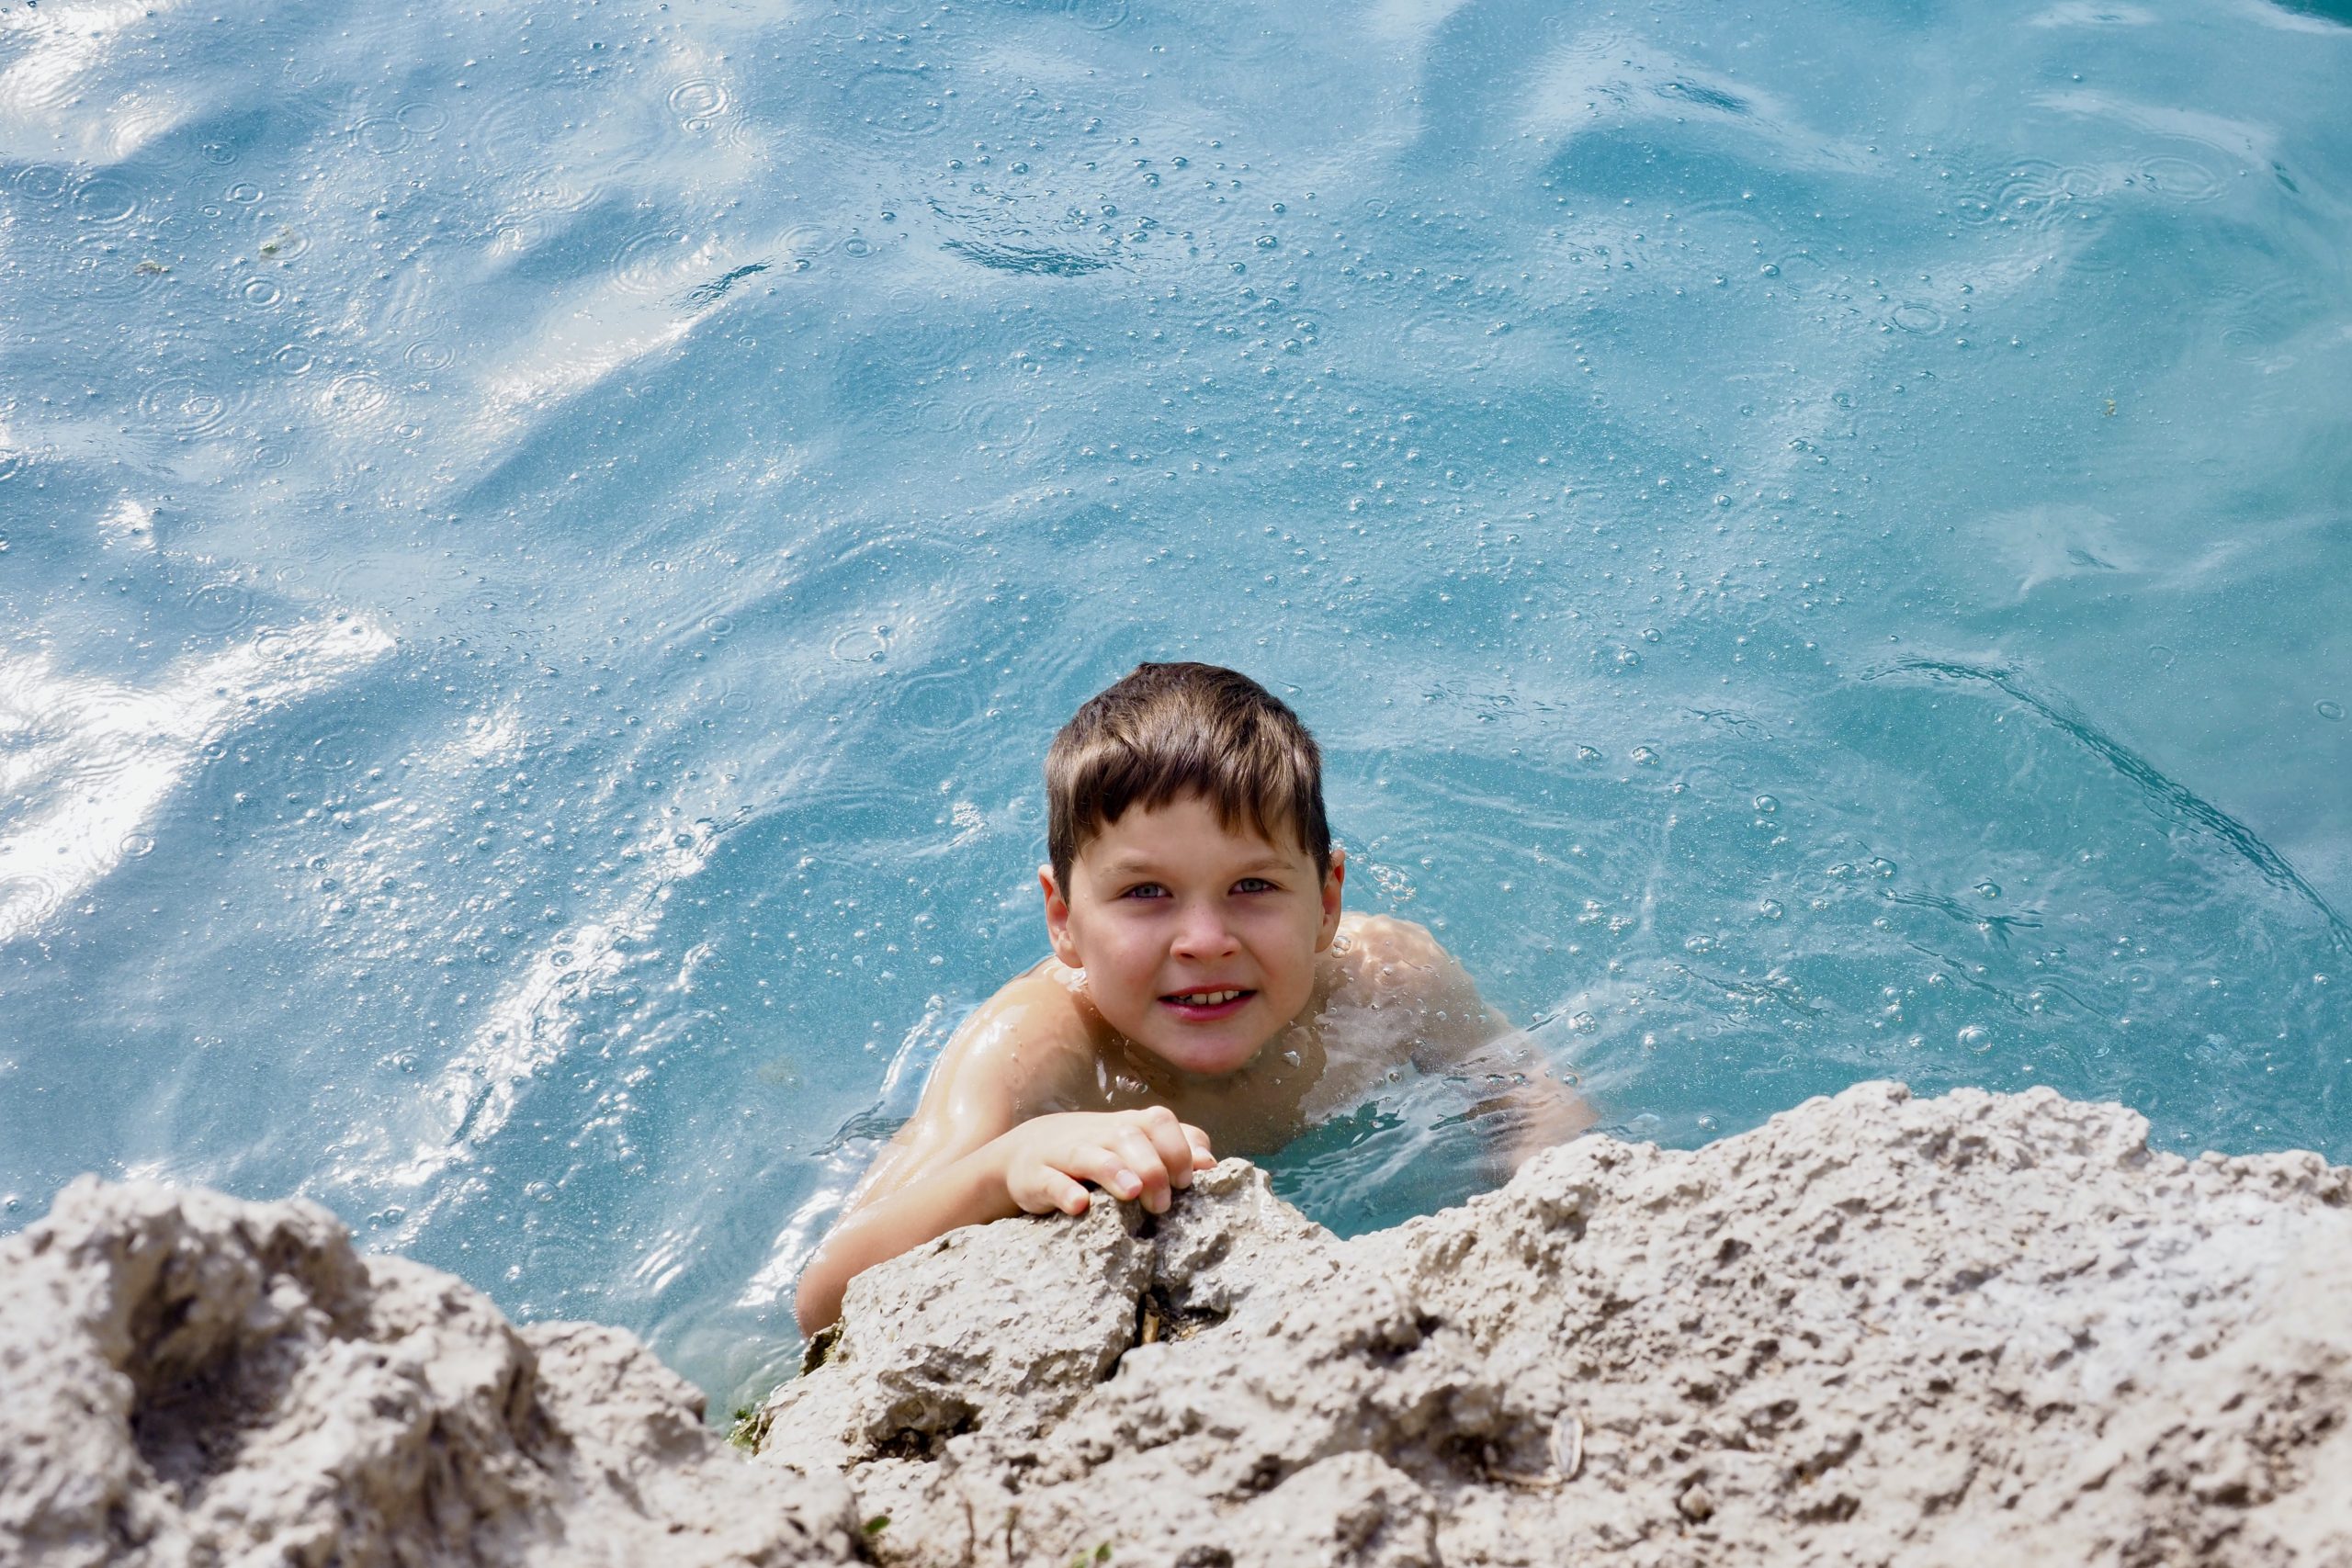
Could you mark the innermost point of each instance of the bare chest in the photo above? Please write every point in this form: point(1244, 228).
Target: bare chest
point(1302, 1078)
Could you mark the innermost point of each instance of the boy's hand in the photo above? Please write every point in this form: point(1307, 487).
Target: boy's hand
point(1130, 1153)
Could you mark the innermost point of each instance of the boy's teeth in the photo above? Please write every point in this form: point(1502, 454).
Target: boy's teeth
point(1207, 999)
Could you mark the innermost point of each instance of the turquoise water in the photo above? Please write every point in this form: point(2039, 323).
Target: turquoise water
point(542, 549)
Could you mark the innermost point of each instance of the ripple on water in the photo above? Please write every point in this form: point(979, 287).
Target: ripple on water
point(422, 117)
point(2038, 194)
point(2182, 178)
point(43, 182)
point(106, 200)
point(658, 262)
point(935, 703)
point(697, 101)
point(511, 233)
point(2329, 709)
point(2260, 317)
point(182, 406)
point(920, 333)
point(429, 354)
point(896, 100)
point(860, 644)
point(328, 752)
point(26, 897)
point(1100, 16)
point(220, 606)
point(356, 395)
point(804, 243)
point(112, 275)
point(261, 294)
point(380, 134)
point(1913, 316)
point(996, 424)
point(504, 137)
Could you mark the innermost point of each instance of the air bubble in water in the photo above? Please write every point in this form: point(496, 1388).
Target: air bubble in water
point(1973, 1037)
point(2330, 710)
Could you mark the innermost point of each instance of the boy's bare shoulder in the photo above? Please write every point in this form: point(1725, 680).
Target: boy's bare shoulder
point(1036, 1032)
point(1384, 955)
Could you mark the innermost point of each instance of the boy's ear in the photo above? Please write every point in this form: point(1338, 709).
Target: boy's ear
point(1057, 918)
point(1333, 880)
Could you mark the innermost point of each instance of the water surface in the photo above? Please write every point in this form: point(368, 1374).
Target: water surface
point(540, 549)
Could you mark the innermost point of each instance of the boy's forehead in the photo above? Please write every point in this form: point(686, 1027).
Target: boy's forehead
point(1188, 825)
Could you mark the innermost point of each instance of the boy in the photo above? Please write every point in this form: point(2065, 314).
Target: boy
point(1205, 989)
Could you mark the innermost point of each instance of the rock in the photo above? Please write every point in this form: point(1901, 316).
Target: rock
point(188, 1379)
point(1977, 1328)
point(1877, 1329)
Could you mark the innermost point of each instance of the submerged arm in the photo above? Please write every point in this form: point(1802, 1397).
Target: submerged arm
point(1462, 1034)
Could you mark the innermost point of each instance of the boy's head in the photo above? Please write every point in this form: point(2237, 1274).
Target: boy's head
point(1193, 876)
point(1174, 731)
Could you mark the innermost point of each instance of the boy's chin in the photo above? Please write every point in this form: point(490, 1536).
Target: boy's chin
point(1211, 1057)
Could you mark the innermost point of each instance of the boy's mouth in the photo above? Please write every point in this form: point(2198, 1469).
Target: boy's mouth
point(1208, 1002)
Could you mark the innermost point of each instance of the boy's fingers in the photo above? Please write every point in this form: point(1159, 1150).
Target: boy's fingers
point(1202, 1156)
point(1069, 1196)
point(1143, 1158)
point(1171, 1148)
point(1107, 1168)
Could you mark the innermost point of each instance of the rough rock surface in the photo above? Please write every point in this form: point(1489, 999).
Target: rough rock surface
point(186, 1379)
point(1977, 1330)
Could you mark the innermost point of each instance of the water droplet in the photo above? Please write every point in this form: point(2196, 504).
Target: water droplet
point(1767, 804)
point(1973, 1037)
point(1770, 910)
point(2330, 709)
point(1988, 890)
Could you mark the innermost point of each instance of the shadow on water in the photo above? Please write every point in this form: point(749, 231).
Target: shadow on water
point(2337, 11)
point(2167, 795)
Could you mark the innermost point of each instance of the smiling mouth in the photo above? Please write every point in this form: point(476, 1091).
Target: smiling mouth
point(1206, 1000)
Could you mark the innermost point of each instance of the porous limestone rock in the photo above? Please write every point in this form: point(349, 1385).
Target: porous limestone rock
point(186, 1379)
point(1970, 1330)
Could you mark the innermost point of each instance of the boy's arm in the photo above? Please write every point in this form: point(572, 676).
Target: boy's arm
point(1460, 1034)
point(967, 1156)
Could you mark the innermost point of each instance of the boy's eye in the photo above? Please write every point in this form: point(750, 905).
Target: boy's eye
point(1146, 890)
point(1253, 885)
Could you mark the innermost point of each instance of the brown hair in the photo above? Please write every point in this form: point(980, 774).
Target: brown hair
point(1170, 731)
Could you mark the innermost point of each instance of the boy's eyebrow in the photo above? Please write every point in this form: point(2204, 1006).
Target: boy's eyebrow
point(1142, 865)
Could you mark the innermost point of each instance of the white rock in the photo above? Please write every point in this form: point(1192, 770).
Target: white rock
point(186, 1379)
point(1977, 1330)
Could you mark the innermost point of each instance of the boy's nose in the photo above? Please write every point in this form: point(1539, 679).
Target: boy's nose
point(1203, 933)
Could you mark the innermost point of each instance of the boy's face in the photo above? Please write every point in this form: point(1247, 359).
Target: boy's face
point(1198, 941)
